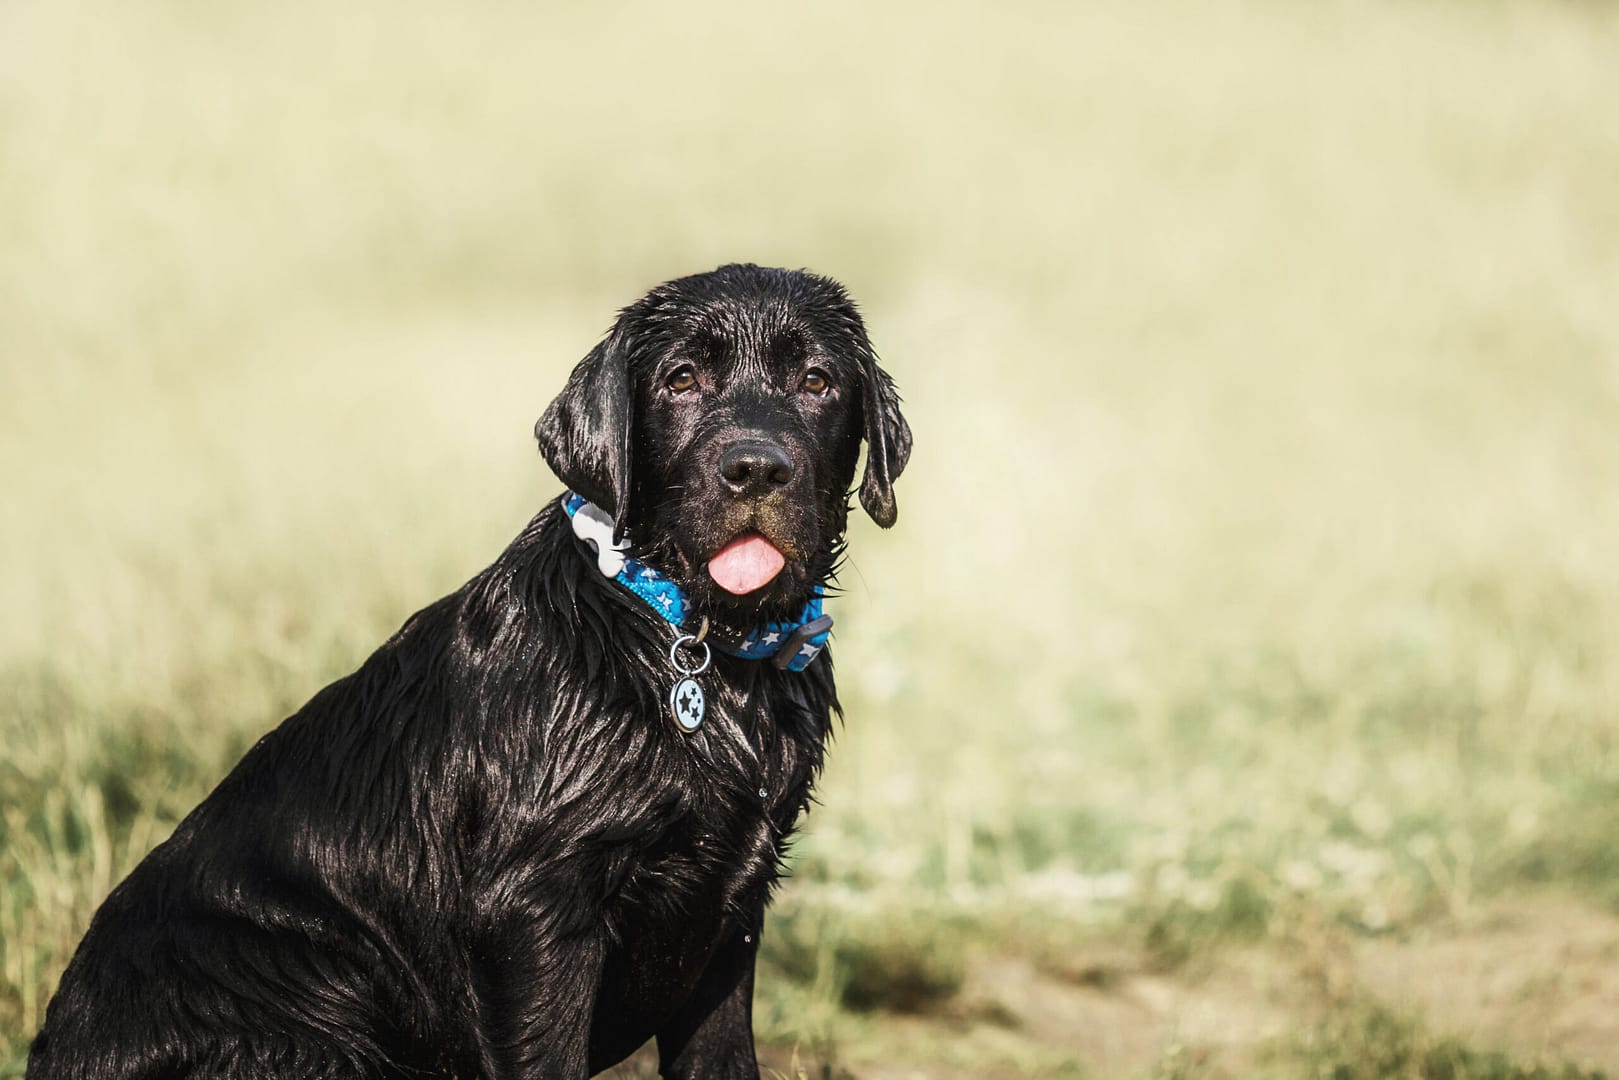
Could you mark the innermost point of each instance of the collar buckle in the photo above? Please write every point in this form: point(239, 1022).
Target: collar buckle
point(803, 645)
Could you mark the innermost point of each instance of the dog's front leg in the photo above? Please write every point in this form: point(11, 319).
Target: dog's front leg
point(536, 989)
point(712, 1036)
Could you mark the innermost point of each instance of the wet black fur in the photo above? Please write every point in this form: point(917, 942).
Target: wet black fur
point(488, 853)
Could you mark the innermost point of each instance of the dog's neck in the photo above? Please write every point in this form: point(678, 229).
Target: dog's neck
point(793, 644)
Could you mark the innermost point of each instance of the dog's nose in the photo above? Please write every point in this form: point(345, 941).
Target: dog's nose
point(755, 468)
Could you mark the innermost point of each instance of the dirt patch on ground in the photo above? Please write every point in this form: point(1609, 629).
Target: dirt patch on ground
point(1097, 1013)
point(1538, 978)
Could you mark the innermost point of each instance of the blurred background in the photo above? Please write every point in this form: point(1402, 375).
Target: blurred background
point(1236, 695)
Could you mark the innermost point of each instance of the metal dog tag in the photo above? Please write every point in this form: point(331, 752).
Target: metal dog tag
point(686, 703)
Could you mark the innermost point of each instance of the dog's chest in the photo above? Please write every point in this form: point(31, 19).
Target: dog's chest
point(722, 848)
point(701, 887)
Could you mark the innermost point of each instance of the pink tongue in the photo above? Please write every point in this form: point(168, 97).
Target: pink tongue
point(745, 564)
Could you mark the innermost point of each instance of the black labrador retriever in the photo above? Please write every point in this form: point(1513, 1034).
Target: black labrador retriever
point(540, 825)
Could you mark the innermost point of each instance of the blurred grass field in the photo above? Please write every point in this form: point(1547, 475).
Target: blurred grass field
point(1236, 696)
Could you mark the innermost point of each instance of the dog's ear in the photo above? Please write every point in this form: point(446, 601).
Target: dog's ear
point(888, 442)
point(585, 433)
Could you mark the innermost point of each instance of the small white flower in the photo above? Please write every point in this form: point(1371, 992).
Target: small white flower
point(1203, 895)
point(1301, 876)
point(1172, 879)
point(1370, 818)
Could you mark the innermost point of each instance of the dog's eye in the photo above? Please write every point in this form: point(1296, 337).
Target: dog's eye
point(815, 382)
point(681, 379)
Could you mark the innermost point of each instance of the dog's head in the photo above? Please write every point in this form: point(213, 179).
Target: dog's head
point(720, 423)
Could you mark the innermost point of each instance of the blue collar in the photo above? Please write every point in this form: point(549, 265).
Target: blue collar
point(805, 636)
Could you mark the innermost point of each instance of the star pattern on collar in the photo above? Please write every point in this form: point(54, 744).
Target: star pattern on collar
point(666, 599)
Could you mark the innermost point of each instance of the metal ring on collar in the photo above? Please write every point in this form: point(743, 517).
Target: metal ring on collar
point(690, 639)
